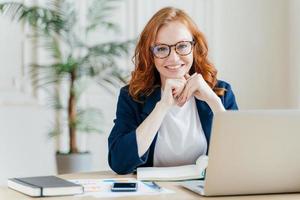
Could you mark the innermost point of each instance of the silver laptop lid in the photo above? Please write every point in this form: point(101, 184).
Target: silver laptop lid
point(254, 152)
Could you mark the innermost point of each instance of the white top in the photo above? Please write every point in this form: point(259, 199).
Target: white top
point(180, 139)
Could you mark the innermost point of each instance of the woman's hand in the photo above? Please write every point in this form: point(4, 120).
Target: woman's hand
point(172, 90)
point(197, 86)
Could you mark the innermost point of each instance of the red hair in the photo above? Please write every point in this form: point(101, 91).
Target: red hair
point(145, 77)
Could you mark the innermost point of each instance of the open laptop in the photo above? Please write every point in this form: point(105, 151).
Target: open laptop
point(252, 152)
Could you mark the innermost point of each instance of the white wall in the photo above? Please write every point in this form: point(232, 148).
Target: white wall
point(25, 149)
point(254, 44)
point(294, 52)
point(251, 50)
point(10, 51)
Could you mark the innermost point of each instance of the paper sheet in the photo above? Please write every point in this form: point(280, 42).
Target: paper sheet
point(100, 188)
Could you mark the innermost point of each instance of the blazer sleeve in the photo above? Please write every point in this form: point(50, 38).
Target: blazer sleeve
point(228, 99)
point(123, 155)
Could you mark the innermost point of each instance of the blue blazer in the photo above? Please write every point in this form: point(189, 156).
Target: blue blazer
point(123, 155)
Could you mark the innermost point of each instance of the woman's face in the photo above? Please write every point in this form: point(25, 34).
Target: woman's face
point(174, 65)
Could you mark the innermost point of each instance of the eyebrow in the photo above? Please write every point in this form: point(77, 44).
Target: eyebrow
point(183, 40)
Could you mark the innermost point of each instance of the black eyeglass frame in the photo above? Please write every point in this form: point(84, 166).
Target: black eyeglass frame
point(170, 48)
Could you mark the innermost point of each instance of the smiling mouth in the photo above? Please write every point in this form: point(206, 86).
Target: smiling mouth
point(174, 67)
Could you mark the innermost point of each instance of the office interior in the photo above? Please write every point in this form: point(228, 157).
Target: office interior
point(254, 44)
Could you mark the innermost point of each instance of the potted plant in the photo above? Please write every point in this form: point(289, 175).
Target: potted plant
point(75, 60)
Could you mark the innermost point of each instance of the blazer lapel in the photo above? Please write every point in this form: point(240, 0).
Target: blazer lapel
point(150, 102)
point(206, 116)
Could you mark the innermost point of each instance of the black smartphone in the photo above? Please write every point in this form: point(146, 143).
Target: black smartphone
point(124, 187)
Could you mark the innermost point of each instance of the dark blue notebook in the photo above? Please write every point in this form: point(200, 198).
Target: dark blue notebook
point(44, 186)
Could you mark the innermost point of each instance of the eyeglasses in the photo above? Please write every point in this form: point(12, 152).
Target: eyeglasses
point(182, 48)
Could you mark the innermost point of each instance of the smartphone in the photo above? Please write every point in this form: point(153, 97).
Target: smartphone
point(124, 187)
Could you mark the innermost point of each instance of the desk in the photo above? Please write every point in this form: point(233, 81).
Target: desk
point(180, 193)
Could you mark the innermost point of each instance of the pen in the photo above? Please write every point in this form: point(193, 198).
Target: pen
point(155, 185)
point(152, 185)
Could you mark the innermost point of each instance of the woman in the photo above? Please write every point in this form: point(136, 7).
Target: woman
point(164, 115)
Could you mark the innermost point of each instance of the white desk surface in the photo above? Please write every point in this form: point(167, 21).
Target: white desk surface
point(180, 193)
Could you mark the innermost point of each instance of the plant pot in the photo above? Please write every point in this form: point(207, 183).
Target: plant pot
point(72, 163)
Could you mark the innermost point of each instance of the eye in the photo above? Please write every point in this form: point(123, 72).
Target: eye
point(161, 49)
point(182, 46)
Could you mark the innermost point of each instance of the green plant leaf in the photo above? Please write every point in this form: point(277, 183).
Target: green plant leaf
point(99, 13)
point(71, 58)
point(44, 19)
point(89, 120)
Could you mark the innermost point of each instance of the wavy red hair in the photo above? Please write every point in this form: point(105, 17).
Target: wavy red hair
point(145, 78)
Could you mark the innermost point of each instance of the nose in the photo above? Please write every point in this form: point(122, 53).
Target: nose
point(173, 55)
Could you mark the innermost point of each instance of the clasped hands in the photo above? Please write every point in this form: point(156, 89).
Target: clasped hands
point(178, 91)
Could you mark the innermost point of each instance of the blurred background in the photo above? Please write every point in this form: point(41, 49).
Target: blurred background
point(254, 44)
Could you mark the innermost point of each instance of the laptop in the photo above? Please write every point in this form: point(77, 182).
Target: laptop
point(252, 152)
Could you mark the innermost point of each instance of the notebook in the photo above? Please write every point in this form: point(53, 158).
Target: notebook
point(44, 186)
point(177, 173)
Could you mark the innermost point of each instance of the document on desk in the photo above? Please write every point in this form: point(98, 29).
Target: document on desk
point(101, 188)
